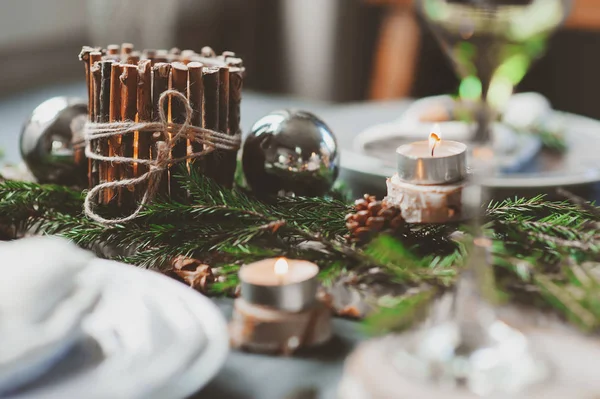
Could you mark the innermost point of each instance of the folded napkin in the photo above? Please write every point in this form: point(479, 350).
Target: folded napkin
point(44, 297)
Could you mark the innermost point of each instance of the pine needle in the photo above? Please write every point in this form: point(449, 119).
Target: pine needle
point(226, 228)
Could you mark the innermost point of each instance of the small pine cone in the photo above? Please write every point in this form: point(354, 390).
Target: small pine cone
point(362, 204)
point(193, 272)
point(183, 262)
point(371, 216)
point(376, 223)
point(396, 222)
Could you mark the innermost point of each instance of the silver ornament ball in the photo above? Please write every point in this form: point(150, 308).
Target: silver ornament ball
point(290, 152)
point(47, 141)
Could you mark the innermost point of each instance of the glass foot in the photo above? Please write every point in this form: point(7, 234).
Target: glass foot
point(485, 359)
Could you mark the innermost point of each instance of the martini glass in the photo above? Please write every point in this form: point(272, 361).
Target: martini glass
point(491, 44)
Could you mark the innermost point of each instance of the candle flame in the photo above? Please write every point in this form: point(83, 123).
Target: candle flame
point(434, 138)
point(281, 267)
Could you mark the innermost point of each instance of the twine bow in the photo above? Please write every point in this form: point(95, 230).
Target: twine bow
point(210, 139)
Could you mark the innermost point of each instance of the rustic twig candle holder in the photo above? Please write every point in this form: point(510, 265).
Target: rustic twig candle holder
point(278, 311)
point(428, 187)
point(126, 86)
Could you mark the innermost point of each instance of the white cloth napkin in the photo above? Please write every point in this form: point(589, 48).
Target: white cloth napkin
point(74, 326)
point(44, 297)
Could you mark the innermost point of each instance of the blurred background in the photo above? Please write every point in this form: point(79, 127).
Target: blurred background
point(331, 50)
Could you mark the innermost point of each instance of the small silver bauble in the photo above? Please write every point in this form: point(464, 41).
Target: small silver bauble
point(290, 152)
point(47, 141)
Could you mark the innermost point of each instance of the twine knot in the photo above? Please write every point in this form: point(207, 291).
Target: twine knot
point(210, 139)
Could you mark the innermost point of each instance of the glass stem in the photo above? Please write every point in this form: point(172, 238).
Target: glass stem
point(475, 284)
point(484, 119)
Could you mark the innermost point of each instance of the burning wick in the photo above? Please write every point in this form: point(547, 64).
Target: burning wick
point(433, 140)
point(281, 268)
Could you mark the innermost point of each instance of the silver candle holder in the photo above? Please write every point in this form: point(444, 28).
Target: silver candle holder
point(278, 310)
point(430, 180)
point(292, 291)
point(416, 165)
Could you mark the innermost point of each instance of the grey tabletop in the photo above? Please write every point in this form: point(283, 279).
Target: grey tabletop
point(244, 375)
point(313, 372)
point(247, 375)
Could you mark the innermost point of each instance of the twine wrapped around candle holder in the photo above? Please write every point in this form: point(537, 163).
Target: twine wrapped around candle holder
point(136, 136)
point(210, 140)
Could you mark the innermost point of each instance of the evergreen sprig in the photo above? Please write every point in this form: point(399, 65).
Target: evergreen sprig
point(545, 252)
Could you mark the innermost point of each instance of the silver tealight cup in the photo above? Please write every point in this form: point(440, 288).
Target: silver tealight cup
point(292, 291)
point(416, 165)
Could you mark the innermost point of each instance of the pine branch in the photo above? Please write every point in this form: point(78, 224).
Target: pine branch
point(399, 313)
point(514, 207)
point(228, 227)
point(22, 202)
point(316, 214)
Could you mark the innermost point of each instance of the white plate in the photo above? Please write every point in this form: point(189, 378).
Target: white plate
point(149, 337)
point(579, 165)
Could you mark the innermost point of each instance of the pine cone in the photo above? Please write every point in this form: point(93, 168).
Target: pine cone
point(193, 272)
point(370, 217)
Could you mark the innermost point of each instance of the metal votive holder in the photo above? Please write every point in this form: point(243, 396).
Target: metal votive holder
point(287, 296)
point(416, 165)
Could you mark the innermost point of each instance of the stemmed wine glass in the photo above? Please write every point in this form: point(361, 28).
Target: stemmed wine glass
point(491, 44)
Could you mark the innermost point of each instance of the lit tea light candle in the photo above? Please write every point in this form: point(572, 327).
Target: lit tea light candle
point(430, 180)
point(285, 284)
point(277, 311)
point(433, 161)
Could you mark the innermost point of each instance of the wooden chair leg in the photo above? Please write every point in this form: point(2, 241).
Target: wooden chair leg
point(396, 55)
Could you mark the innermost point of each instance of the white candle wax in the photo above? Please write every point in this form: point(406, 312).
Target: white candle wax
point(265, 273)
point(421, 149)
point(286, 284)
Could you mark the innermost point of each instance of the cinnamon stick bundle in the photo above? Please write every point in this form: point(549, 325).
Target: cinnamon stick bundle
point(113, 52)
point(129, 80)
point(178, 115)
point(149, 54)
point(207, 52)
point(236, 81)
point(227, 54)
point(221, 156)
point(112, 171)
point(144, 114)
point(195, 95)
point(187, 55)
point(132, 58)
point(208, 61)
point(161, 72)
point(113, 49)
point(210, 79)
point(79, 153)
point(124, 85)
point(126, 48)
point(103, 115)
point(161, 56)
point(95, 56)
point(84, 56)
point(95, 82)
